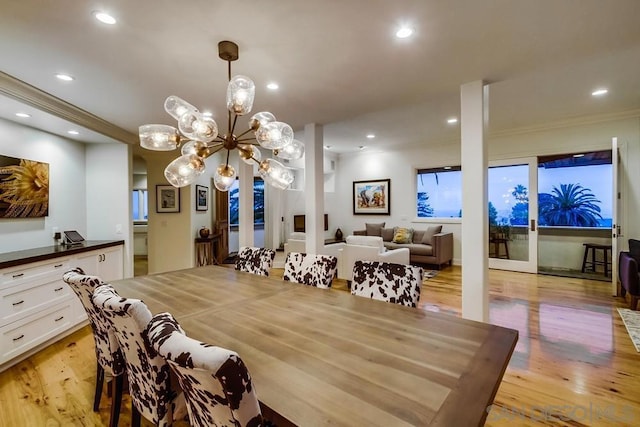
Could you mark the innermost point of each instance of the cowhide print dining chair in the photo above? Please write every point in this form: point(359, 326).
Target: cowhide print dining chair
point(216, 383)
point(109, 358)
point(152, 393)
point(390, 282)
point(310, 269)
point(255, 260)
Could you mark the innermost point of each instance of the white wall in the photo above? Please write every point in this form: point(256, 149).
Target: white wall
point(109, 186)
point(170, 235)
point(400, 166)
point(294, 200)
point(67, 186)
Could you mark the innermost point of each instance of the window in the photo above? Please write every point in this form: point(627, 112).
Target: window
point(140, 205)
point(439, 193)
point(258, 202)
point(575, 190)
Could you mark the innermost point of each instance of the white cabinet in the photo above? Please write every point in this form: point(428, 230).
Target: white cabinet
point(105, 263)
point(37, 306)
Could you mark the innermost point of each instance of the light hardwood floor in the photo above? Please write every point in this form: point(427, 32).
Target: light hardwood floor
point(574, 364)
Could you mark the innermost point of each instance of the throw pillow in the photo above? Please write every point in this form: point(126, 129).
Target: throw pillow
point(374, 229)
point(402, 235)
point(427, 239)
point(634, 249)
point(387, 234)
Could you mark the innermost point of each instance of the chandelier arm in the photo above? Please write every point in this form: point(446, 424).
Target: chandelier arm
point(211, 153)
point(227, 162)
point(233, 127)
point(248, 139)
point(244, 133)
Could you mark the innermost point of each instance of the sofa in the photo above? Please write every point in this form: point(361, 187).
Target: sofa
point(429, 246)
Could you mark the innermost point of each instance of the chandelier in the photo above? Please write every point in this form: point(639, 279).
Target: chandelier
point(197, 135)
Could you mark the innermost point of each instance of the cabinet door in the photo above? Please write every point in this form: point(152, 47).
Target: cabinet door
point(88, 262)
point(110, 264)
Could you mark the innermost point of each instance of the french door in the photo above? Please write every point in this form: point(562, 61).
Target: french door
point(513, 214)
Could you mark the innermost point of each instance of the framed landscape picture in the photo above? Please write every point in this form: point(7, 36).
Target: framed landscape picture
point(372, 197)
point(202, 197)
point(167, 199)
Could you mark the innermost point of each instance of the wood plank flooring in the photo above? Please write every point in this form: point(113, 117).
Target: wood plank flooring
point(574, 364)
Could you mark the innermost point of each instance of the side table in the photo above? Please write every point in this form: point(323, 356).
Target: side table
point(205, 252)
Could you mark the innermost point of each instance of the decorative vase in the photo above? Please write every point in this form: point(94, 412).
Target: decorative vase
point(204, 232)
point(338, 234)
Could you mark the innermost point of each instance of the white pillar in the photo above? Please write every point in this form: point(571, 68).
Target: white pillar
point(475, 234)
point(245, 206)
point(314, 188)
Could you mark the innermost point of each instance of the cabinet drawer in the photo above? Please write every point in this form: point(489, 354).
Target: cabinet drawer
point(32, 272)
point(27, 333)
point(27, 298)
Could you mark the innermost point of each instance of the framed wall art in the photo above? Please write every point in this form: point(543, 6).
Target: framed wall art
point(372, 197)
point(24, 188)
point(167, 199)
point(202, 198)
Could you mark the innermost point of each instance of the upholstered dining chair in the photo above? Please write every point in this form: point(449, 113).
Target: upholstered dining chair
point(108, 355)
point(310, 269)
point(255, 260)
point(216, 383)
point(384, 281)
point(152, 393)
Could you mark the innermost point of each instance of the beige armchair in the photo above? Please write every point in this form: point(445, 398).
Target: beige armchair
point(367, 248)
point(297, 243)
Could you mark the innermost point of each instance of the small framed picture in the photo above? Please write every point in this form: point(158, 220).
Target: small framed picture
point(202, 198)
point(372, 197)
point(167, 199)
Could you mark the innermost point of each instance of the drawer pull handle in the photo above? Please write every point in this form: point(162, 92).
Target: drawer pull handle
point(15, 276)
point(17, 303)
point(59, 318)
point(58, 265)
point(58, 289)
point(19, 338)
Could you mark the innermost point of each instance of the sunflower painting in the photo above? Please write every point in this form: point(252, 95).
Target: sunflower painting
point(24, 188)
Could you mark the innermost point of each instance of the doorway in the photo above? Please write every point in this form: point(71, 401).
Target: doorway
point(513, 209)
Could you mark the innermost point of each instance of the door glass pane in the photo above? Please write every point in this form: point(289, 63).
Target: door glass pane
point(509, 212)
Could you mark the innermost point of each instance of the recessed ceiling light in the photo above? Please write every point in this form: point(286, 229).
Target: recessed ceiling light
point(447, 167)
point(273, 86)
point(578, 155)
point(104, 17)
point(23, 115)
point(327, 146)
point(65, 77)
point(73, 132)
point(404, 32)
point(371, 136)
point(452, 120)
point(599, 92)
point(207, 113)
point(361, 147)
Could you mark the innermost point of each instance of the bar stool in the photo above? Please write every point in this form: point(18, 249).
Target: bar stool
point(593, 247)
point(496, 241)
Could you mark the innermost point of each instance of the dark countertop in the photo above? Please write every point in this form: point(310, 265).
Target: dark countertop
point(11, 259)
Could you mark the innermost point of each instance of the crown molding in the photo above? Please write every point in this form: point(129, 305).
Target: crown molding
point(576, 121)
point(34, 97)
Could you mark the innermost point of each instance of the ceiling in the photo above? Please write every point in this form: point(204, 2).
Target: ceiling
point(338, 63)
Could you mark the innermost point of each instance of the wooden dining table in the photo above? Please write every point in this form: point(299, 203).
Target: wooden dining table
point(326, 357)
